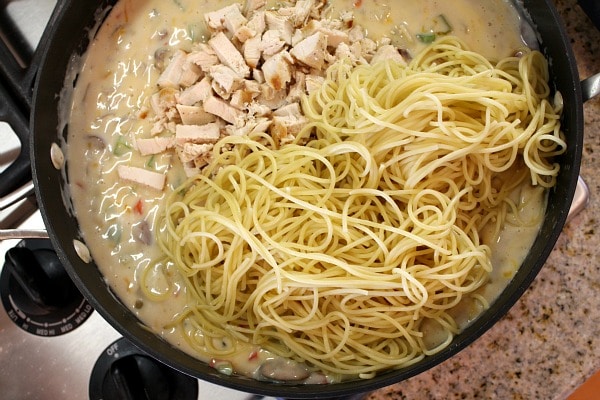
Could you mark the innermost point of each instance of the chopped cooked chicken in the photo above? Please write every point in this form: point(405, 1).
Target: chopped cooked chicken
point(233, 20)
point(278, 70)
point(280, 24)
point(271, 42)
point(253, 5)
point(194, 115)
point(388, 52)
point(299, 13)
point(288, 121)
point(249, 77)
point(222, 109)
point(334, 36)
point(154, 145)
point(311, 51)
point(203, 56)
point(142, 176)
point(252, 51)
point(257, 23)
point(207, 133)
point(224, 80)
point(313, 82)
point(215, 19)
point(192, 151)
point(229, 54)
point(199, 91)
point(172, 73)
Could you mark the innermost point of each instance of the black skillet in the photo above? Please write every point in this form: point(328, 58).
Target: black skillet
point(68, 36)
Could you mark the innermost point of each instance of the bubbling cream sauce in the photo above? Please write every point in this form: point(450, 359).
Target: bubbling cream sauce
point(113, 90)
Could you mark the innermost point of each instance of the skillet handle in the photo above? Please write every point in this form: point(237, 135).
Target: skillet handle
point(590, 87)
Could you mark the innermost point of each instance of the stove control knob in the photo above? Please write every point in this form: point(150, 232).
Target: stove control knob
point(37, 293)
point(125, 372)
point(43, 284)
point(137, 377)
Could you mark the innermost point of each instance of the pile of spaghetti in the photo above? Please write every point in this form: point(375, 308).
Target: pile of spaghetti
point(337, 249)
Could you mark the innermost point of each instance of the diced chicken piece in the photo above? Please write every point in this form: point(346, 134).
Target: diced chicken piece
point(297, 89)
point(257, 109)
point(388, 52)
point(313, 82)
point(251, 125)
point(207, 133)
point(258, 76)
point(250, 6)
point(199, 91)
point(233, 20)
point(278, 70)
point(311, 51)
point(297, 37)
point(384, 41)
point(215, 19)
point(367, 48)
point(285, 127)
point(334, 35)
point(347, 18)
point(193, 151)
point(257, 23)
point(170, 76)
point(163, 100)
point(271, 43)
point(179, 72)
point(190, 73)
point(289, 119)
point(280, 23)
point(142, 176)
point(252, 51)
point(242, 97)
point(298, 14)
point(162, 124)
point(352, 53)
point(280, 133)
point(229, 54)
point(203, 56)
point(272, 98)
point(289, 110)
point(252, 86)
point(220, 108)
point(224, 80)
point(190, 168)
point(194, 115)
point(245, 33)
point(356, 33)
point(155, 145)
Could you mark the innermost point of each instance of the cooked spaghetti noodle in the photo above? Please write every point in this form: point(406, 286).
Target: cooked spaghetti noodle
point(338, 249)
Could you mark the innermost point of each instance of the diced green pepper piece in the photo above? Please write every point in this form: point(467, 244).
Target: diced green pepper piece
point(121, 147)
point(427, 37)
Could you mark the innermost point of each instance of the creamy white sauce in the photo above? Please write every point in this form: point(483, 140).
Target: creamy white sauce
point(113, 90)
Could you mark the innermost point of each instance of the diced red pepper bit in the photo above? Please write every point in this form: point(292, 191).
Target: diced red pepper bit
point(253, 355)
point(212, 362)
point(139, 207)
point(357, 3)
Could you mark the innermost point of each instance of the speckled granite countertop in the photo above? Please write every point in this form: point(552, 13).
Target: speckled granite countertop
point(549, 342)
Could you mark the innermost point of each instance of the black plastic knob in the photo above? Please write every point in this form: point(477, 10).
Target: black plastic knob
point(37, 292)
point(137, 377)
point(124, 372)
point(44, 285)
